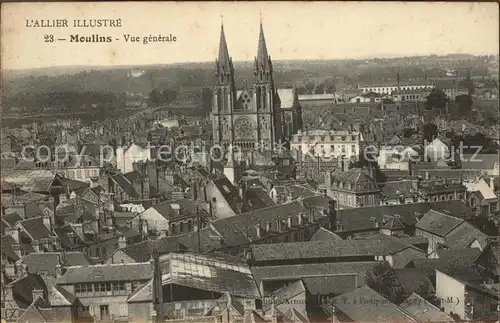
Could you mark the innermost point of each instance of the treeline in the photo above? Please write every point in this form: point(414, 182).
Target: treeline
point(69, 101)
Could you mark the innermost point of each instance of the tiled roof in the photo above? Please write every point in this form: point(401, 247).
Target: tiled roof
point(290, 272)
point(438, 223)
point(42, 262)
point(325, 235)
point(326, 249)
point(239, 229)
point(413, 280)
point(469, 253)
point(459, 267)
point(464, 235)
point(105, 273)
point(29, 180)
point(379, 309)
point(425, 311)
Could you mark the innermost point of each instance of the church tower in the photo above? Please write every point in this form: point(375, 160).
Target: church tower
point(224, 96)
point(250, 118)
point(265, 96)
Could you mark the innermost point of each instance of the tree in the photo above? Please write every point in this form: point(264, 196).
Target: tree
point(383, 280)
point(309, 87)
point(430, 131)
point(320, 88)
point(437, 99)
point(331, 88)
point(169, 96)
point(464, 103)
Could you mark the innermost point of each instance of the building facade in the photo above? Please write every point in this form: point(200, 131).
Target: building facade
point(258, 115)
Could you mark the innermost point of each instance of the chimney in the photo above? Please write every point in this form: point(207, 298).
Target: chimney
point(47, 221)
point(37, 293)
point(426, 177)
point(213, 207)
point(492, 184)
point(36, 245)
point(289, 222)
point(21, 269)
point(144, 227)
point(58, 270)
point(249, 305)
point(248, 254)
point(14, 233)
point(93, 182)
point(259, 230)
point(16, 248)
point(122, 242)
point(332, 213)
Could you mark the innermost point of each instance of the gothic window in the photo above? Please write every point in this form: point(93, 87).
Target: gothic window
point(246, 100)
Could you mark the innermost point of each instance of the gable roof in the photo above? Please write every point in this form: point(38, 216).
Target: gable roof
point(325, 235)
point(414, 280)
point(377, 310)
point(425, 311)
point(464, 235)
point(35, 228)
point(29, 180)
point(438, 223)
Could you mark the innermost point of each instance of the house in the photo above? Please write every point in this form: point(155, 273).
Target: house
point(377, 309)
point(398, 157)
point(424, 310)
point(487, 164)
point(400, 192)
point(17, 295)
point(81, 168)
point(126, 156)
point(467, 300)
point(324, 143)
point(369, 97)
point(104, 289)
point(352, 188)
point(435, 226)
point(414, 280)
point(171, 218)
point(36, 181)
point(129, 187)
point(481, 196)
point(395, 252)
point(471, 253)
point(488, 262)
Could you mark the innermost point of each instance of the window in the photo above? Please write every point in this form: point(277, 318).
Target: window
point(181, 227)
point(450, 197)
point(78, 173)
point(443, 198)
point(353, 149)
point(189, 225)
point(87, 173)
point(119, 286)
point(71, 174)
point(95, 173)
point(174, 229)
point(136, 284)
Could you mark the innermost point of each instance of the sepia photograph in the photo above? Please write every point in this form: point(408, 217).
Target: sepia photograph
point(250, 162)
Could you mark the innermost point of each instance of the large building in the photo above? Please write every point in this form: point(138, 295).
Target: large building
point(257, 115)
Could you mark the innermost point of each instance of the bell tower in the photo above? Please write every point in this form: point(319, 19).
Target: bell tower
point(264, 94)
point(224, 96)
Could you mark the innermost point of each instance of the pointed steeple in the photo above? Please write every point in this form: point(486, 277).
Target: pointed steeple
point(262, 68)
point(224, 59)
point(262, 55)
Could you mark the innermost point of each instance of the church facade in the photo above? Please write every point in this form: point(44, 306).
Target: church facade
point(257, 115)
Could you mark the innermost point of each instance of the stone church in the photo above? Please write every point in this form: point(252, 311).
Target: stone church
point(258, 115)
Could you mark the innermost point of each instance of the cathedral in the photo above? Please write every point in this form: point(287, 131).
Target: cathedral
point(257, 116)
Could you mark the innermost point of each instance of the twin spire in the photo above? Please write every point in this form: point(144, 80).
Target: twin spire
point(262, 60)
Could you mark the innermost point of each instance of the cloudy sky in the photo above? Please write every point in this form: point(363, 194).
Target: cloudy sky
point(295, 30)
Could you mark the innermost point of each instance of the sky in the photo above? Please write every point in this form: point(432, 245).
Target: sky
point(293, 30)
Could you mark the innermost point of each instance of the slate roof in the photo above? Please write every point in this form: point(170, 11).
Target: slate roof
point(325, 235)
point(229, 192)
point(36, 228)
point(7, 251)
point(23, 288)
point(438, 223)
point(425, 311)
point(126, 185)
point(42, 262)
point(12, 218)
point(257, 198)
point(379, 309)
point(140, 252)
point(106, 273)
point(394, 189)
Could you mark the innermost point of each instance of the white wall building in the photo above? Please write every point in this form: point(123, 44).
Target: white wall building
point(126, 156)
point(326, 143)
point(388, 89)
